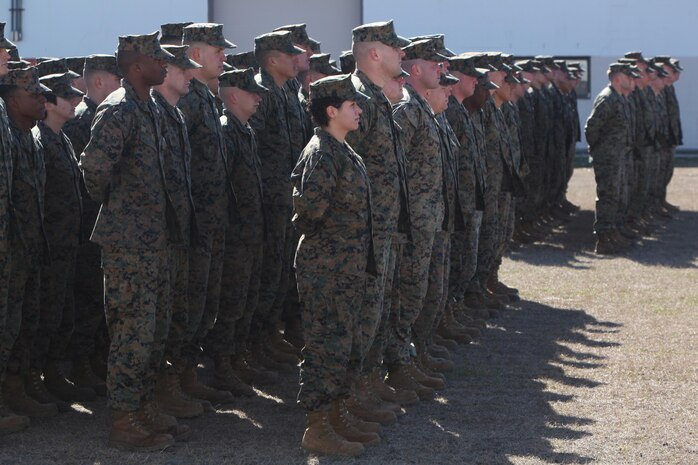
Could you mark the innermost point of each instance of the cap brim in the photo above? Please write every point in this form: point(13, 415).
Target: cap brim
point(39, 89)
point(490, 85)
point(255, 88)
point(69, 94)
point(397, 42)
point(295, 50)
point(4, 43)
point(223, 44)
point(162, 54)
point(73, 74)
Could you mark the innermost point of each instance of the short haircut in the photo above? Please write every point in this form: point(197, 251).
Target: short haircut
point(318, 109)
point(126, 59)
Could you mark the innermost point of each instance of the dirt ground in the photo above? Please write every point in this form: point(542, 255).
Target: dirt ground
point(597, 364)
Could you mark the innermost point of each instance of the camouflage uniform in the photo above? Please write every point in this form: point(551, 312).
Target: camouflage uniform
point(28, 250)
point(132, 229)
point(675, 135)
point(177, 164)
point(89, 294)
point(62, 223)
point(272, 124)
point(6, 149)
point(663, 148)
point(244, 241)
point(439, 268)
point(377, 142)
point(628, 182)
point(608, 133)
point(471, 184)
point(557, 153)
point(214, 202)
point(426, 188)
point(644, 136)
point(526, 208)
point(332, 210)
point(513, 122)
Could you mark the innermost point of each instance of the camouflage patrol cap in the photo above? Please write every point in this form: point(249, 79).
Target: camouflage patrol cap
point(548, 61)
point(624, 68)
point(99, 62)
point(340, 86)
point(439, 44)
point(511, 78)
point(299, 35)
point(243, 79)
point(24, 78)
point(447, 79)
point(14, 54)
point(281, 41)
point(656, 66)
point(529, 66)
point(320, 63)
point(145, 44)
point(675, 63)
point(208, 33)
point(637, 56)
point(242, 60)
point(61, 86)
point(422, 50)
point(665, 60)
point(522, 80)
point(315, 46)
point(180, 58)
point(21, 64)
point(562, 65)
point(466, 65)
point(480, 60)
point(347, 62)
point(383, 32)
point(485, 82)
point(4, 43)
point(76, 64)
point(495, 60)
point(172, 33)
point(55, 66)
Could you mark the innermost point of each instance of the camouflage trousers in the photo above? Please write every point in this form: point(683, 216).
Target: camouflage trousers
point(391, 305)
point(639, 197)
point(181, 331)
point(414, 282)
point(331, 355)
point(373, 309)
point(241, 279)
point(629, 184)
point(205, 273)
point(608, 172)
point(291, 311)
point(570, 154)
point(137, 308)
point(437, 293)
point(556, 165)
point(57, 307)
point(505, 225)
point(464, 249)
point(23, 307)
point(276, 266)
point(487, 242)
point(89, 300)
point(666, 170)
point(9, 322)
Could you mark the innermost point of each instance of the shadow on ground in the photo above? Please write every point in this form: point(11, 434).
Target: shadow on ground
point(672, 244)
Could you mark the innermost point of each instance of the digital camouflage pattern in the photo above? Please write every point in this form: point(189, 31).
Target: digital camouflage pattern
point(244, 242)
point(55, 66)
point(453, 213)
point(145, 44)
point(208, 33)
point(28, 248)
point(98, 62)
point(609, 134)
point(527, 209)
point(281, 41)
point(332, 212)
point(383, 32)
point(171, 33)
point(377, 142)
point(63, 226)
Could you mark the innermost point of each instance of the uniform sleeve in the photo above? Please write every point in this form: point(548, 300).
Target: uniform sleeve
point(258, 120)
point(103, 152)
point(408, 125)
point(366, 123)
point(597, 119)
point(319, 181)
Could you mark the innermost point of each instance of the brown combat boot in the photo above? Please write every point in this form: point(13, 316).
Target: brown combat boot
point(257, 356)
point(64, 389)
point(368, 410)
point(447, 331)
point(158, 422)
point(171, 399)
point(449, 344)
point(424, 379)
point(226, 380)
point(361, 425)
point(389, 394)
point(9, 421)
point(440, 365)
point(321, 438)
point(440, 351)
point(278, 342)
point(191, 386)
point(279, 355)
point(474, 300)
point(18, 401)
point(399, 377)
point(343, 426)
point(36, 389)
point(252, 375)
point(82, 375)
point(605, 245)
point(128, 432)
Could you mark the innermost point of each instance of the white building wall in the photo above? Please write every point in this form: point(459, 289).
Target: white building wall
point(329, 21)
point(601, 29)
point(81, 27)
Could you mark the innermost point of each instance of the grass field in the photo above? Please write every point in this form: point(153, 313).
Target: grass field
point(597, 364)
